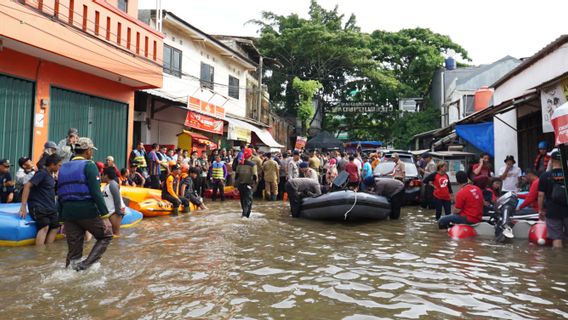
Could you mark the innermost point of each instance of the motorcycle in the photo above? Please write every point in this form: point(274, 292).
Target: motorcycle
point(505, 208)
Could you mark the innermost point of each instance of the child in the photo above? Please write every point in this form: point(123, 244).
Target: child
point(113, 200)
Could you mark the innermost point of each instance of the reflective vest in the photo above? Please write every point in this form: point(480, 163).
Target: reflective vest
point(218, 173)
point(139, 158)
point(72, 183)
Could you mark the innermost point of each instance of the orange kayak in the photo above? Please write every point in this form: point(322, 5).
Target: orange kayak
point(156, 208)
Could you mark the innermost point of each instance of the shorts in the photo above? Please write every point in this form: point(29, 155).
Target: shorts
point(45, 217)
point(557, 228)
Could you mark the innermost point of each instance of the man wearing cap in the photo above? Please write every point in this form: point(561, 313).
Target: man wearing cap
point(307, 172)
point(170, 193)
point(246, 177)
point(49, 148)
point(138, 158)
point(542, 158)
point(390, 188)
point(82, 206)
point(6, 182)
point(429, 165)
point(66, 147)
point(23, 175)
point(271, 171)
point(509, 174)
point(552, 201)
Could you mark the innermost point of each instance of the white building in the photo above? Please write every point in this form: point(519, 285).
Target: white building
point(204, 89)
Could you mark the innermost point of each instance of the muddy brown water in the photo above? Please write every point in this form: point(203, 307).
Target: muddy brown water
point(216, 265)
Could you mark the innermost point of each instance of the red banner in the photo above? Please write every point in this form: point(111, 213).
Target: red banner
point(205, 123)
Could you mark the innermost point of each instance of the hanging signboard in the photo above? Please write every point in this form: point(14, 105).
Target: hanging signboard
point(300, 142)
point(551, 98)
point(202, 122)
point(238, 133)
point(198, 105)
point(560, 124)
point(359, 107)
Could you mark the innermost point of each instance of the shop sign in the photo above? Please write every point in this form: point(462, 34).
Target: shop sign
point(551, 98)
point(300, 143)
point(235, 132)
point(560, 124)
point(203, 122)
point(205, 107)
point(360, 107)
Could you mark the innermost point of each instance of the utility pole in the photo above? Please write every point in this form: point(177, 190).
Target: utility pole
point(260, 62)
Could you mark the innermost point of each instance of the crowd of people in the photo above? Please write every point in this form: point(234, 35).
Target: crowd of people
point(64, 185)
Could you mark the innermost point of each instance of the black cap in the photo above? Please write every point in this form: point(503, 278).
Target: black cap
point(426, 155)
point(510, 158)
point(296, 153)
point(176, 167)
point(23, 160)
point(5, 162)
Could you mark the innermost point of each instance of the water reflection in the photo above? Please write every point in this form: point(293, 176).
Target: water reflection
point(217, 265)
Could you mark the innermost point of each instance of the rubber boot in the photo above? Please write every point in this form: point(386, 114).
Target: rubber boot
point(175, 212)
point(185, 209)
point(95, 255)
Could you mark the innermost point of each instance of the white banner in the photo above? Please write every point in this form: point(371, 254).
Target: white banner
point(551, 98)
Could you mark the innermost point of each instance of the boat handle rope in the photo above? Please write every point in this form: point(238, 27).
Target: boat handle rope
point(353, 206)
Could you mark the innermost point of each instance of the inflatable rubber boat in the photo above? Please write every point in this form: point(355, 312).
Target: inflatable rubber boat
point(15, 231)
point(156, 208)
point(148, 201)
point(346, 205)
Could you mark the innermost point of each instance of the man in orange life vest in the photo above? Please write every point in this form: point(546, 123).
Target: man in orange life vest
point(170, 193)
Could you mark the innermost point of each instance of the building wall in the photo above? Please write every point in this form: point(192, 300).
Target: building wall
point(545, 69)
point(46, 74)
point(505, 137)
point(193, 53)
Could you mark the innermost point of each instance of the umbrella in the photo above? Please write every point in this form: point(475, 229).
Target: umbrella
point(559, 121)
point(324, 140)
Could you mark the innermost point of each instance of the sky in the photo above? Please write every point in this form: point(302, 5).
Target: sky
point(487, 29)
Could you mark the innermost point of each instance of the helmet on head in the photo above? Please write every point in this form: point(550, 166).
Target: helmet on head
point(543, 145)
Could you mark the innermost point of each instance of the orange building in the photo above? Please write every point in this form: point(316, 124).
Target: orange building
point(73, 64)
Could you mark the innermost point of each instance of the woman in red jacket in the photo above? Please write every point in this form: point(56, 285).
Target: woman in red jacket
point(442, 189)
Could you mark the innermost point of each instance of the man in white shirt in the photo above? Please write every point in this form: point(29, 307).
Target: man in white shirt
point(293, 170)
point(510, 173)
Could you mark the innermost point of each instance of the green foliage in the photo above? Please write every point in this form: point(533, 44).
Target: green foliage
point(306, 90)
point(414, 123)
point(381, 67)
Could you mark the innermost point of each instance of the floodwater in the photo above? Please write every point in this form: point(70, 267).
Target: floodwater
point(216, 265)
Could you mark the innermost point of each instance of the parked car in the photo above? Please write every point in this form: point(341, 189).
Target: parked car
point(412, 180)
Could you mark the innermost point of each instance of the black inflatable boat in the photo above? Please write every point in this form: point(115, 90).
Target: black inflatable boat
point(346, 205)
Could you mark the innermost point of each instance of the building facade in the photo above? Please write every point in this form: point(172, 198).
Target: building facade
point(73, 64)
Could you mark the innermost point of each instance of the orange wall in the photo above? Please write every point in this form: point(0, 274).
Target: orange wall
point(47, 74)
point(25, 25)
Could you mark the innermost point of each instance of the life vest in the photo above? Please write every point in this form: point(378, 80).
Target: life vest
point(139, 158)
point(217, 171)
point(72, 183)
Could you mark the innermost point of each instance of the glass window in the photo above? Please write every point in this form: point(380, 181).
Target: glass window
point(207, 78)
point(233, 87)
point(172, 61)
point(123, 5)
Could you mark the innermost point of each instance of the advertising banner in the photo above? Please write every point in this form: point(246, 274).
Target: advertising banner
point(235, 132)
point(300, 142)
point(202, 122)
point(551, 98)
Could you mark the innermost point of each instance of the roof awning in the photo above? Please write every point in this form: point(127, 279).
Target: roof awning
point(199, 138)
point(262, 134)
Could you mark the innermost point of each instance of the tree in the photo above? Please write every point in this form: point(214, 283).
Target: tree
point(381, 67)
point(306, 89)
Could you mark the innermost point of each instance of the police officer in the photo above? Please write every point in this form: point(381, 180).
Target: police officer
point(246, 177)
point(82, 206)
point(393, 189)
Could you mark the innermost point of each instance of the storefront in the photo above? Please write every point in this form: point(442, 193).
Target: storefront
point(240, 130)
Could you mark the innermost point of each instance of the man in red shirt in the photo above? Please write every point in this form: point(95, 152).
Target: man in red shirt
point(353, 170)
point(483, 168)
point(469, 202)
point(530, 205)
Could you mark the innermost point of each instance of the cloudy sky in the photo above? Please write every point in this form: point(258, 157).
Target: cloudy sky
point(487, 29)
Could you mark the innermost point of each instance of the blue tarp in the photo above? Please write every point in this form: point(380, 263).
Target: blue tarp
point(367, 143)
point(479, 135)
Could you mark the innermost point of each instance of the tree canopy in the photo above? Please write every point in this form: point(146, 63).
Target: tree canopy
point(351, 65)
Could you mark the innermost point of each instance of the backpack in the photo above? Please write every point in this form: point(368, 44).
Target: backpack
point(558, 195)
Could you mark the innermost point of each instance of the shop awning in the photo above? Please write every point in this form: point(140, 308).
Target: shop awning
point(200, 139)
point(262, 134)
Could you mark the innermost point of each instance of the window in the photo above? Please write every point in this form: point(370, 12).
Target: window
point(172, 61)
point(233, 87)
point(468, 103)
point(123, 5)
point(207, 78)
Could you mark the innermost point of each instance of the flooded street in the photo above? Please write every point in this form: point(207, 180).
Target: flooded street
point(215, 265)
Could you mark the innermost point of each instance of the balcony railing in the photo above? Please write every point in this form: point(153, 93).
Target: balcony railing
point(105, 22)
